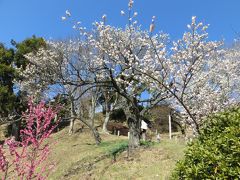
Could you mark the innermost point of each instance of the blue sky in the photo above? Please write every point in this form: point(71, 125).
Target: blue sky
point(20, 19)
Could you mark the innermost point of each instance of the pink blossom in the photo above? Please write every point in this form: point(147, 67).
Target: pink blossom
point(32, 151)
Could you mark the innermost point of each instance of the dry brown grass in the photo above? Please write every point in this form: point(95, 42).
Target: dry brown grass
point(78, 157)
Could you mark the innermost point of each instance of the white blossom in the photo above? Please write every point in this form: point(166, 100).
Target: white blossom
point(104, 17)
point(122, 13)
point(68, 13)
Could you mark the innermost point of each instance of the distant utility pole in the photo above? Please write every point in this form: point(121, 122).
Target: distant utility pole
point(170, 125)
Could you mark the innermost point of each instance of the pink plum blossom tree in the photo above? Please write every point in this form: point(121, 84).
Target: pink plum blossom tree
point(29, 158)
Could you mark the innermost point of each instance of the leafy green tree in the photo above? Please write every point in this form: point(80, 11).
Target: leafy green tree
point(7, 74)
point(28, 45)
point(10, 102)
point(9, 59)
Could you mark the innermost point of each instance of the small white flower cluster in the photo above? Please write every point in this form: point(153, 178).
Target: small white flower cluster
point(67, 15)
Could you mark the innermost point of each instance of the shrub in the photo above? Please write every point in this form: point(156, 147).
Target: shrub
point(28, 159)
point(215, 154)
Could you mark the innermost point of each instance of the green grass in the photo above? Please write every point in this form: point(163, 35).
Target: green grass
point(155, 162)
point(78, 157)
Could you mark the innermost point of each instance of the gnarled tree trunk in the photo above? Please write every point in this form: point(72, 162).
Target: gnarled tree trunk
point(135, 132)
point(134, 123)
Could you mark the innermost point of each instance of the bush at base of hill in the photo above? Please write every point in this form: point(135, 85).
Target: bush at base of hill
point(215, 154)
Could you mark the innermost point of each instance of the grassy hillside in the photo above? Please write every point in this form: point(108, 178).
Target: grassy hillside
point(78, 157)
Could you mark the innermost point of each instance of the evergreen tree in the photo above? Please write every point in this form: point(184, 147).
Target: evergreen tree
point(28, 45)
point(7, 74)
point(14, 103)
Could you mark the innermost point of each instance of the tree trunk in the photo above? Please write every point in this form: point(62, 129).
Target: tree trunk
point(134, 123)
point(107, 117)
point(94, 130)
point(71, 126)
point(108, 108)
point(73, 114)
point(96, 135)
point(92, 110)
point(135, 133)
point(16, 130)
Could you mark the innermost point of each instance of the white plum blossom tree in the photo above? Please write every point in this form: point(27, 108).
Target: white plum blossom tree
point(195, 75)
point(63, 68)
point(199, 75)
point(115, 54)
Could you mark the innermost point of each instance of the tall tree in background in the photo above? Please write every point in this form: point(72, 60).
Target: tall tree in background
point(29, 45)
point(12, 104)
point(26, 46)
point(7, 74)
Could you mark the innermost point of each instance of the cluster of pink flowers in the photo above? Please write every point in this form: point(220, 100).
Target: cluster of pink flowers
point(3, 161)
point(28, 159)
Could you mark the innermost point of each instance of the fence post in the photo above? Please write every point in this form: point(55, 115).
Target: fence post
point(158, 138)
